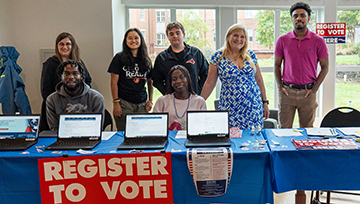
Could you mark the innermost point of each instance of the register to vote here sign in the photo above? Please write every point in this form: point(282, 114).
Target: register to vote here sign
point(333, 33)
point(121, 178)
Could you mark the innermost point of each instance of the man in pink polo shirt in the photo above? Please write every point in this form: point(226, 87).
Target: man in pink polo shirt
point(299, 51)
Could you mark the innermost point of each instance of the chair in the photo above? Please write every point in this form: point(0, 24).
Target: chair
point(216, 103)
point(338, 117)
point(272, 121)
point(108, 120)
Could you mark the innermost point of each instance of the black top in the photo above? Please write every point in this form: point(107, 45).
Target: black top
point(50, 78)
point(192, 59)
point(131, 84)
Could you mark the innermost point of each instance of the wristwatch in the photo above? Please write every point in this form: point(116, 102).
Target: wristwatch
point(266, 101)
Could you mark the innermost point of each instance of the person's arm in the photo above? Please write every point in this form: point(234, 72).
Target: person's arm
point(114, 92)
point(47, 80)
point(51, 117)
point(210, 81)
point(203, 70)
point(277, 72)
point(260, 82)
point(159, 107)
point(149, 102)
point(157, 76)
point(87, 75)
point(324, 64)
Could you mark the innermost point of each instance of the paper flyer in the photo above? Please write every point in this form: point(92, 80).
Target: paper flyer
point(211, 170)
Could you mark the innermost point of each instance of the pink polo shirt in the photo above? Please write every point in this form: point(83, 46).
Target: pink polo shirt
point(300, 57)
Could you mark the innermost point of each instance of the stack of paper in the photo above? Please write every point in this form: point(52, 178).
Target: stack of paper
point(321, 132)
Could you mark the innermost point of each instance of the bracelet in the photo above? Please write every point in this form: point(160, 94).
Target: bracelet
point(266, 101)
point(116, 100)
point(150, 102)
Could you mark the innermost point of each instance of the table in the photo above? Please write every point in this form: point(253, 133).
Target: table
point(311, 169)
point(250, 182)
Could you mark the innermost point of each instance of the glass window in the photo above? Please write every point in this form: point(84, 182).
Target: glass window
point(214, 36)
point(256, 36)
point(347, 83)
point(160, 16)
point(142, 14)
point(143, 33)
point(250, 13)
point(160, 38)
point(198, 24)
point(250, 34)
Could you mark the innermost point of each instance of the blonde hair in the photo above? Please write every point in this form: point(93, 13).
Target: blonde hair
point(243, 53)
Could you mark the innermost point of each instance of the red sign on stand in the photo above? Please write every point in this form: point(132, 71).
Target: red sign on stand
point(121, 178)
point(332, 32)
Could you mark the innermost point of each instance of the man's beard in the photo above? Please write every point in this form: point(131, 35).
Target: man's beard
point(77, 85)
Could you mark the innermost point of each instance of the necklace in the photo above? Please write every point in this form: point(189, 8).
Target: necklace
point(185, 110)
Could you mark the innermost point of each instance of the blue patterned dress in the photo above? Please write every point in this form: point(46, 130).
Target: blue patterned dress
point(240, 93)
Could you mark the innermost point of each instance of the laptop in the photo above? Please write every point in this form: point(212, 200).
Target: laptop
point(207, 129)
point(145, 131)
point(18, 132)
point(78, 131)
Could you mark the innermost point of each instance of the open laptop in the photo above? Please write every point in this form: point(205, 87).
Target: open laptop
point(145, 131)
point(78, 131)
point(18, 132)
point(207, 129)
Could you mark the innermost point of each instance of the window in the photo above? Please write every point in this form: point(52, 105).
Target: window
point(250, 13)
point(160, 16)
point(347, 75)
point(214, 36)
point(256, 36)
point(160, 38)
point(250, 34)
point(143, 33)
point(142, 14)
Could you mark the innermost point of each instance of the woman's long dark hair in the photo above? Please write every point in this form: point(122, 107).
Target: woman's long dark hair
point(142, 54)
point(186, 74)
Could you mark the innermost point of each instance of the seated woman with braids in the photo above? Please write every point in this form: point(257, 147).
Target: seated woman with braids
point(179, 99)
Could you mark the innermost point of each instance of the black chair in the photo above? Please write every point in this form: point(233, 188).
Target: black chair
point(338, 117)
point(108, 120)
point(272, 121)
point(216, 103)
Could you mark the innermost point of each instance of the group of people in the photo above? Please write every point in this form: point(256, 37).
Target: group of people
point(186, 79)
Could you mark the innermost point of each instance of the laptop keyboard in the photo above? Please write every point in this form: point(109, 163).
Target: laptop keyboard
point(11, 144)
point(209, 140)
point(76, 143)
point(142, 142)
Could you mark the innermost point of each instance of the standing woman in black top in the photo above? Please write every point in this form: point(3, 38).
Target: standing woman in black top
point(65, 48)
point(130, 70)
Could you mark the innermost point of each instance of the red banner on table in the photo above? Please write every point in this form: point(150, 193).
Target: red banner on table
point(121, 178)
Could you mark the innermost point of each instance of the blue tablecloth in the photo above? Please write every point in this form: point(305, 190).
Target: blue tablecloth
point(294, 169)
point(250, 182)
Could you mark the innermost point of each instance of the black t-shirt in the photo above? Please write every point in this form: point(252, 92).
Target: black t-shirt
point(131, 84)
point(180, 55)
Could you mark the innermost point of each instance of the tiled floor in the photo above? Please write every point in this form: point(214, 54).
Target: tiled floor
point(289, 198)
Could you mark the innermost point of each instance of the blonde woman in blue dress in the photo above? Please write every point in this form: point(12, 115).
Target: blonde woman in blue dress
point(242, 87)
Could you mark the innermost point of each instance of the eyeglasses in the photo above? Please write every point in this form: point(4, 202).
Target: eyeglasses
point(62, 44)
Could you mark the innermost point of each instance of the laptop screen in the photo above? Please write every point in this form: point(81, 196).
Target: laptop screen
point(80, 125)
point(207, 123)
point(19, 126)
point(146, 125)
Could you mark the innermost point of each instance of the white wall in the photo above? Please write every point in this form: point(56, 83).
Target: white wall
point(31, 25)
